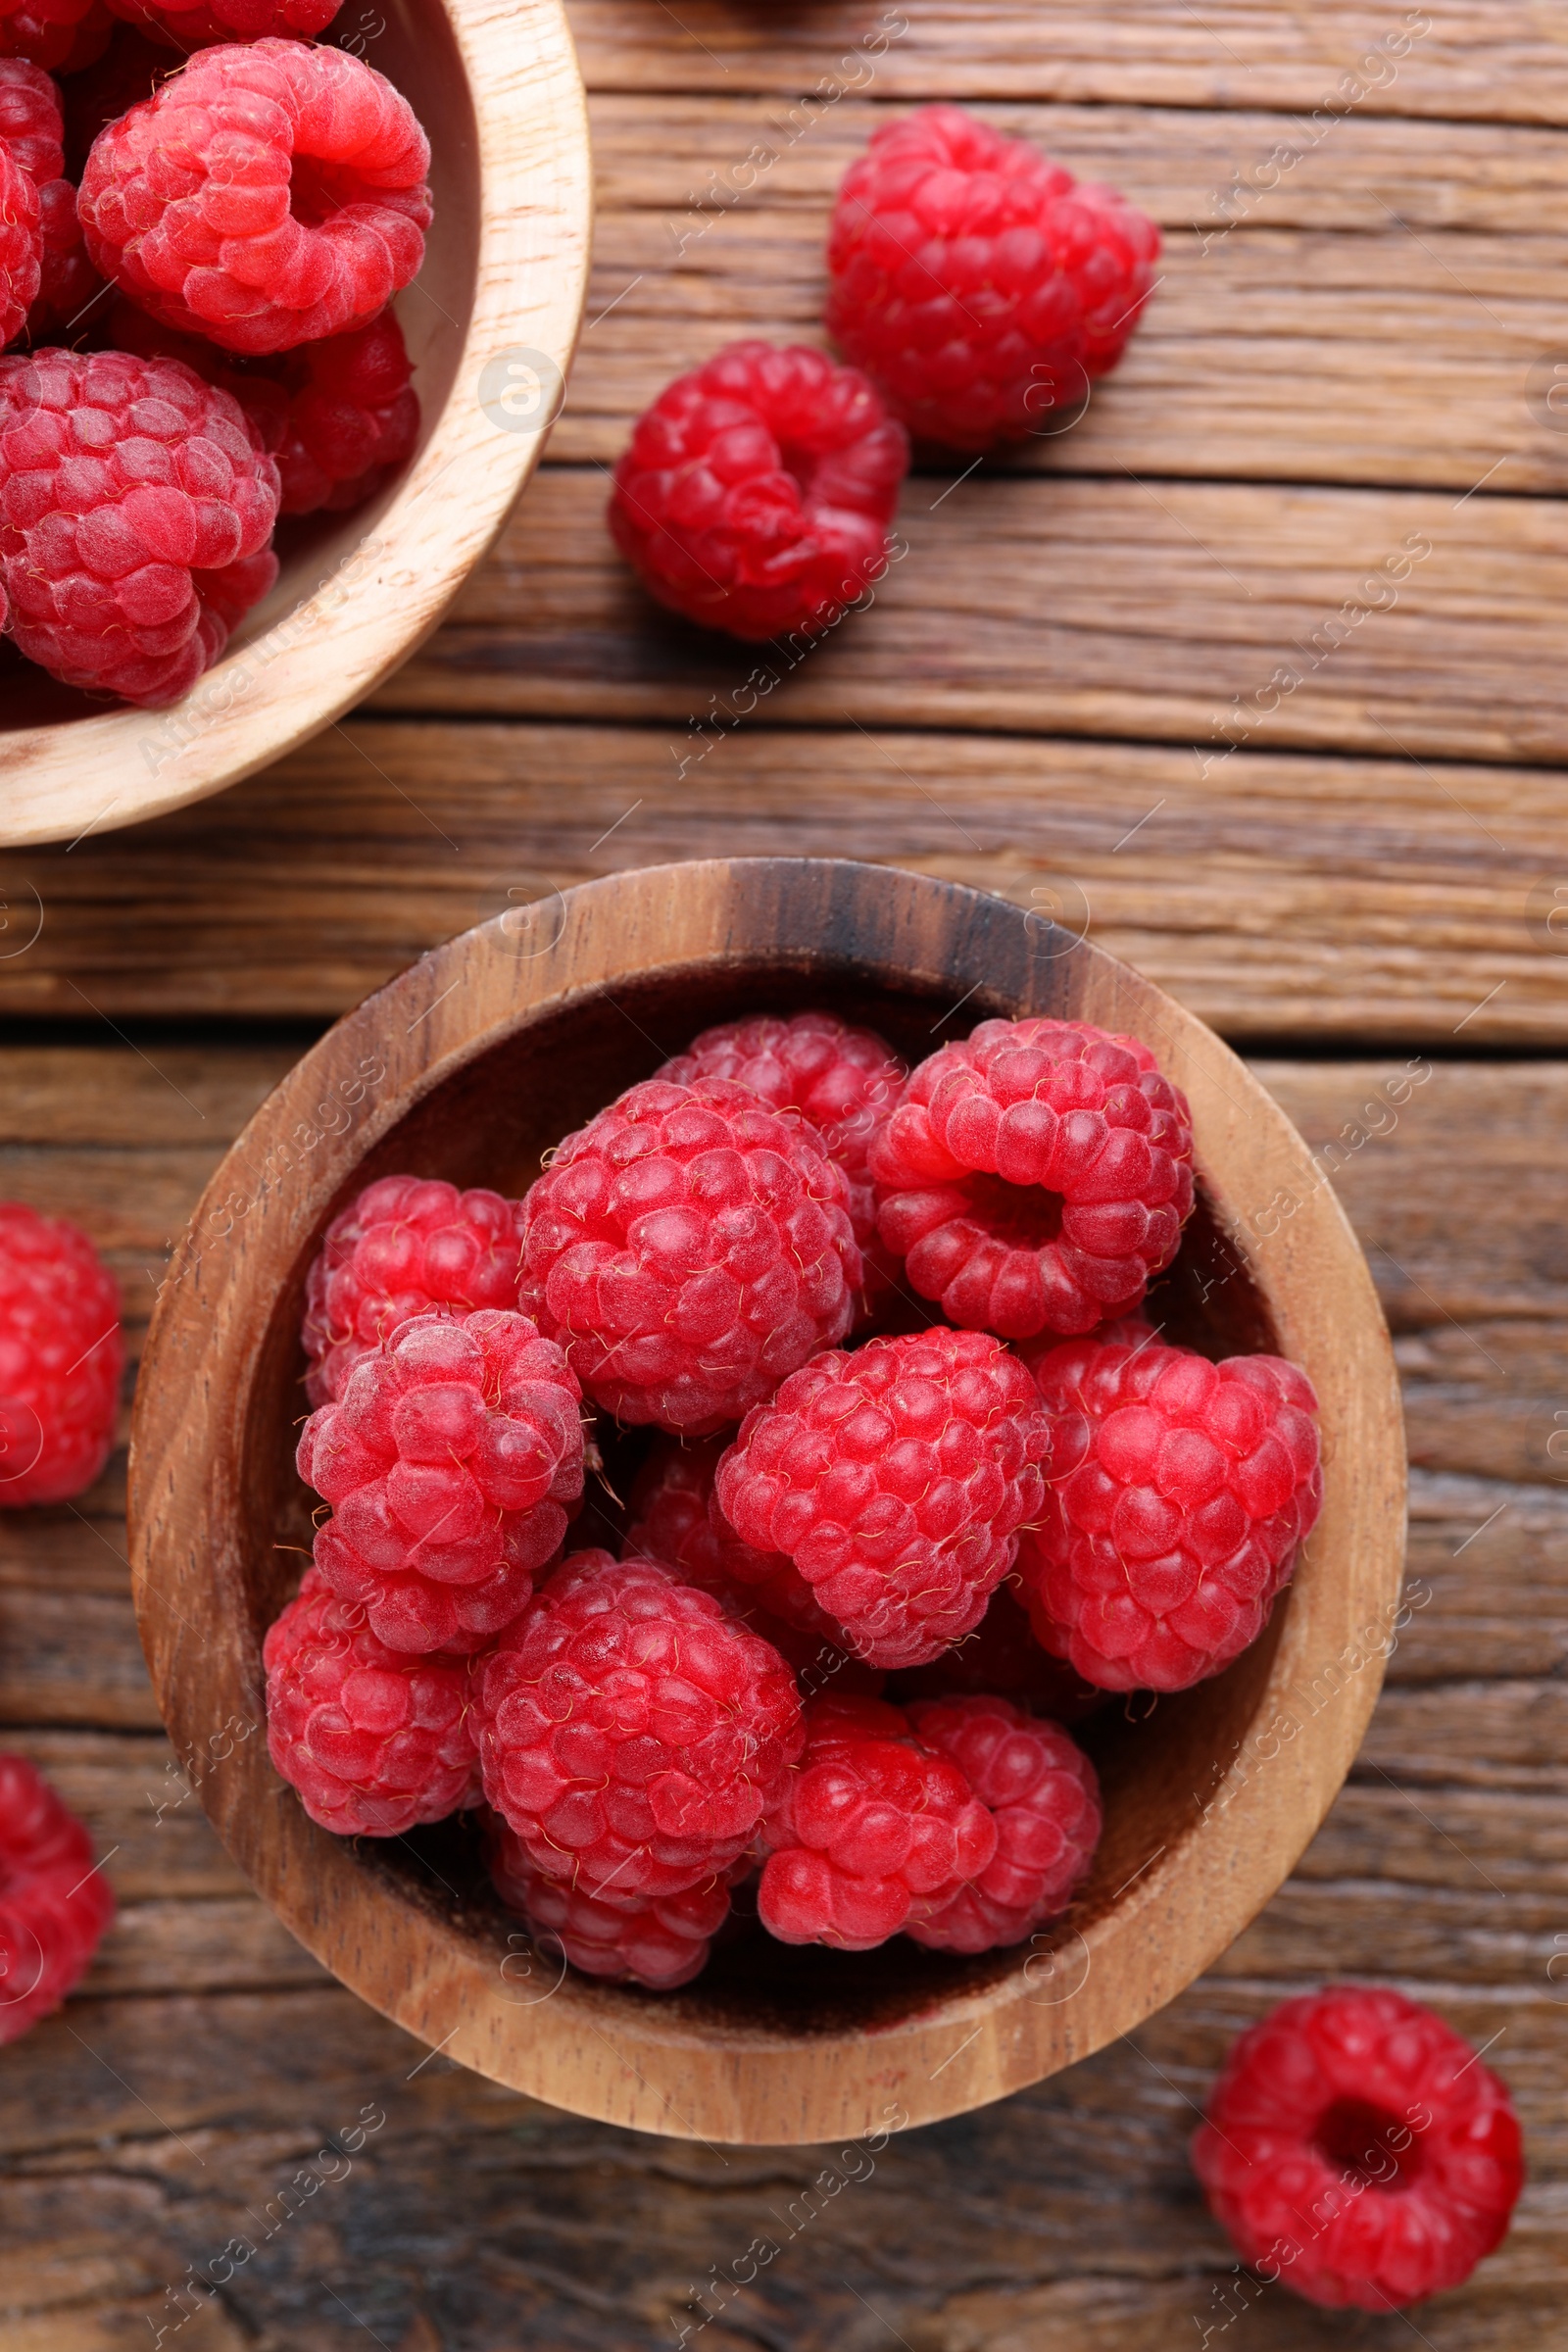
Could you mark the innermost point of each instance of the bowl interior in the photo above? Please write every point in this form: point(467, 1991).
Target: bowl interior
point(488, 1124)
point(413, 44)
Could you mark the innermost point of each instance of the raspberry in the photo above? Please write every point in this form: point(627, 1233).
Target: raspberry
point(1035, 1177)
point(128, 71)
point(373, 1740)
point(874, 1832)
point(31, 125)
point(21, 245)
point(135, 517)
point(1356, 2148)
point(353, 418)
point(978, 284)
point(661, 1943)
point(633, 1733)
point(1042, 1794)
point(689, 1248)
point(675, 1519)
point(1003, 1659)
point(896, 1480)
point(758, 491)
point(265, 196)
point(406, 1246)
point(845, 1081)
point(61, 35)
point(1179, 1492)
point(68, 281)
point(31, 119)
point(54, 1903)
point(448, 1457)
point(60, 1357)
point(189, 28)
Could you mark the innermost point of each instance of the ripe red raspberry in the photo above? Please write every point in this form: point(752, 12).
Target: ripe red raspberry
point(1357, 2149)
point(60, 1357)
point(31, 119)
point(54, 1903)
point(21, 245)
point(128, 71)
point(689, 1248)
point(845, 1081)
point(1002, 1659)
point(758, 491)
point(266, 195)
point(353, 418)
point(1179, 1491)
point(406, 1246)
point(61, 35)
point(661, 1943)
point(31, 125)
point(1043, 1795)
point(978, 284)
point(631, 1732)
point(1035, 1177)
point(874, 1832)
point(189, 28)
point(675, 1519)
point(896, 1479)
point(136, 514)
point(372, 1740)
point(448, 1459)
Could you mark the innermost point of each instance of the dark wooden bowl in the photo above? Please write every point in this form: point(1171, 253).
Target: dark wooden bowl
point(468, 1066)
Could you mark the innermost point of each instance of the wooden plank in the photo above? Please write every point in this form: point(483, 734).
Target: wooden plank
point(1300, 894)
point(1489, 60)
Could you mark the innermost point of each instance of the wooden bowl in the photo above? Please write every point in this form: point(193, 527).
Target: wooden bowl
point(468, 1066)
point(490, 323)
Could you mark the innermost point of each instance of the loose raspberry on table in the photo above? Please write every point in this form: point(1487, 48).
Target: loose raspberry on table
point(657, 1943)
point(845, 1081)
point(61, 35)
point(1043, 1795)
point(406, 1246)
point(1035, 1177)
point(1002, 1659)
point(189, 28)
point(449, 1460)
point(266, 196)
point(1356, 2149)
point(758, 492)
point(60, 1357)
point(353, 418)
point(31, 126)
point(372, 1740)
point(55, 1903)
point(689, 1248)
point(874, 1832)
point(136, 513)
point(897, 1478)
point(979, 285)
point(21, 245)
point(632, 1732)
point(1178, 1494)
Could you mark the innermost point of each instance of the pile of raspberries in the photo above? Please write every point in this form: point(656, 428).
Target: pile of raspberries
point(900, 1485)
point(204, 216)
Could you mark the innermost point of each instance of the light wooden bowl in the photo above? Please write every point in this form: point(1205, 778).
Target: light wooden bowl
point(469, 1065)
point(494, 82)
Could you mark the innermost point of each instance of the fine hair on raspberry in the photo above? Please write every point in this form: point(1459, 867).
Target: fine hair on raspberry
point(1035, 1177)
point(758, 493)
point(689, 1248)
point(1042, 1792)
point(55, 1903)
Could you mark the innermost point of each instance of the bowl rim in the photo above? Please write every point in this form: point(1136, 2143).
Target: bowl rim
point(619, 2056)
point(62, 780)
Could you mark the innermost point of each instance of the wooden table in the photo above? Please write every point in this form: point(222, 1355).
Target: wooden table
point(1352, 356)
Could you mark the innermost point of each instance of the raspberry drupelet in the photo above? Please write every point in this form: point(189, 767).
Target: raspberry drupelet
point(874, 1832)
point(1042, 1792)
point(186, 28)
point(631, 1732)
point(449, 1460)
point(136, 513)
point(659, 1942)
point(1035, 1177)
point(60, 1357)
point(1179, 1491)
point(373, 1740)
point(689, 1248)
point(61, 35)
point(55, 1903)
point(21, 246)
point(353, 418)
point(31, 126)
point(845, 1081)
point(266, 195)
point(1357, 2150)
point(758, 493)
point(407, 1246)
point(897, 1478)
point(674, 1518)
point(977, 283)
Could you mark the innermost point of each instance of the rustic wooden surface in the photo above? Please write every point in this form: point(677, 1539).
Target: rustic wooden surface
point(1371, 877)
